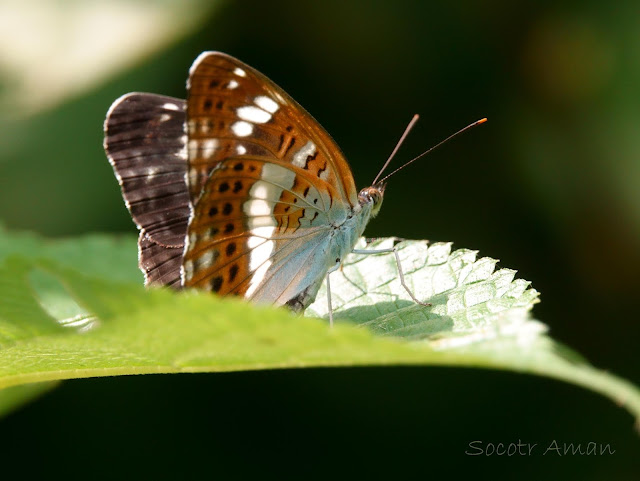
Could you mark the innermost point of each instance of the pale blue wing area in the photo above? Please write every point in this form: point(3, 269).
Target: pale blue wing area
point(297, 267)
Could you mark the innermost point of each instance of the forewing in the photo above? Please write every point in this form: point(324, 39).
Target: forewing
point(234, 110)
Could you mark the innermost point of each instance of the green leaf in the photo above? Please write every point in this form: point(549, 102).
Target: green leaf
point(467, 295)
point(72, 309)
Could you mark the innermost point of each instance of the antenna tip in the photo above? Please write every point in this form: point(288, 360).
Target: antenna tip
point(481, 121)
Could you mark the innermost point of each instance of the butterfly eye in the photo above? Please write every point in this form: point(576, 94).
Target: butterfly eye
point(373, 196)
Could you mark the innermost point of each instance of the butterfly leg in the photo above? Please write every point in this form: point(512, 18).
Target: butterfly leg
point(333, 269)
point(400, 271)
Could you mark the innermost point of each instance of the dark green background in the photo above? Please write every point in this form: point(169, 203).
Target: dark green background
point(550, 186)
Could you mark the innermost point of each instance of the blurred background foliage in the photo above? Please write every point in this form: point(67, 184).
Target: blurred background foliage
point(550, 186)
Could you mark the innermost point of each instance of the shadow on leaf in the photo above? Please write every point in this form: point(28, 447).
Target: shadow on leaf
point(399, 319)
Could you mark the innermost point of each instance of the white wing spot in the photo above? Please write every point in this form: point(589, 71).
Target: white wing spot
point(170, 106)
point(265, 103)
point(258, 275)
point(257, 207)
point(195, 148)
point(209, 147)
point(183, 151)
point(253, 114)
point(241, 149)
point(188, 270)
point(261, 253)
point(164, 117)
point(266, 191)
point(205, 260)
point(239, 72)
point(192, 177)
point(262, 224)
point(260, 190)
point(261, 234)
point(256, 223)
point(259, 259)
point(242, 128)
point(232, 84)
point(300, 157)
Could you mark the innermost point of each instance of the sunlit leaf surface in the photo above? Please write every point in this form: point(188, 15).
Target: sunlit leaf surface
point(73, 309)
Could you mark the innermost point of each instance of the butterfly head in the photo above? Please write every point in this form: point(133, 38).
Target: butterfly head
point(372, 196)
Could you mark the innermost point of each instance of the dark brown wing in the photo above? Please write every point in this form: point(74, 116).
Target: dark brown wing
point(145, 143)
point(159, 264)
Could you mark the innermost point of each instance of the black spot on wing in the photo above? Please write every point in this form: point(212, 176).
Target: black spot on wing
point(233, 272)
point(216, 283)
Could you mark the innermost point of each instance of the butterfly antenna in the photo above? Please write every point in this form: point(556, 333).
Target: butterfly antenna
point(404, 136)
point(477, 122)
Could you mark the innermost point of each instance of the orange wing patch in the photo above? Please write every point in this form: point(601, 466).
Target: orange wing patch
point(245, 205)
point(234, 110)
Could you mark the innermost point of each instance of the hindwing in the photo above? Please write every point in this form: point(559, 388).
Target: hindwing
point(254, 214)
point(145, 143)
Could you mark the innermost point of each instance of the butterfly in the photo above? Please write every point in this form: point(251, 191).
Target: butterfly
point(237, 190)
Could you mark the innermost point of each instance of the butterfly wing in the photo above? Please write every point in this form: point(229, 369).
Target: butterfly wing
point(267, 184)
point(255, 217)
point(235, 110)
point(160, 264)
point(145, 143)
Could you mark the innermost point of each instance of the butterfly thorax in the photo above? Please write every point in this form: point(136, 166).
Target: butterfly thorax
point(341, 239)
point(346, 234)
